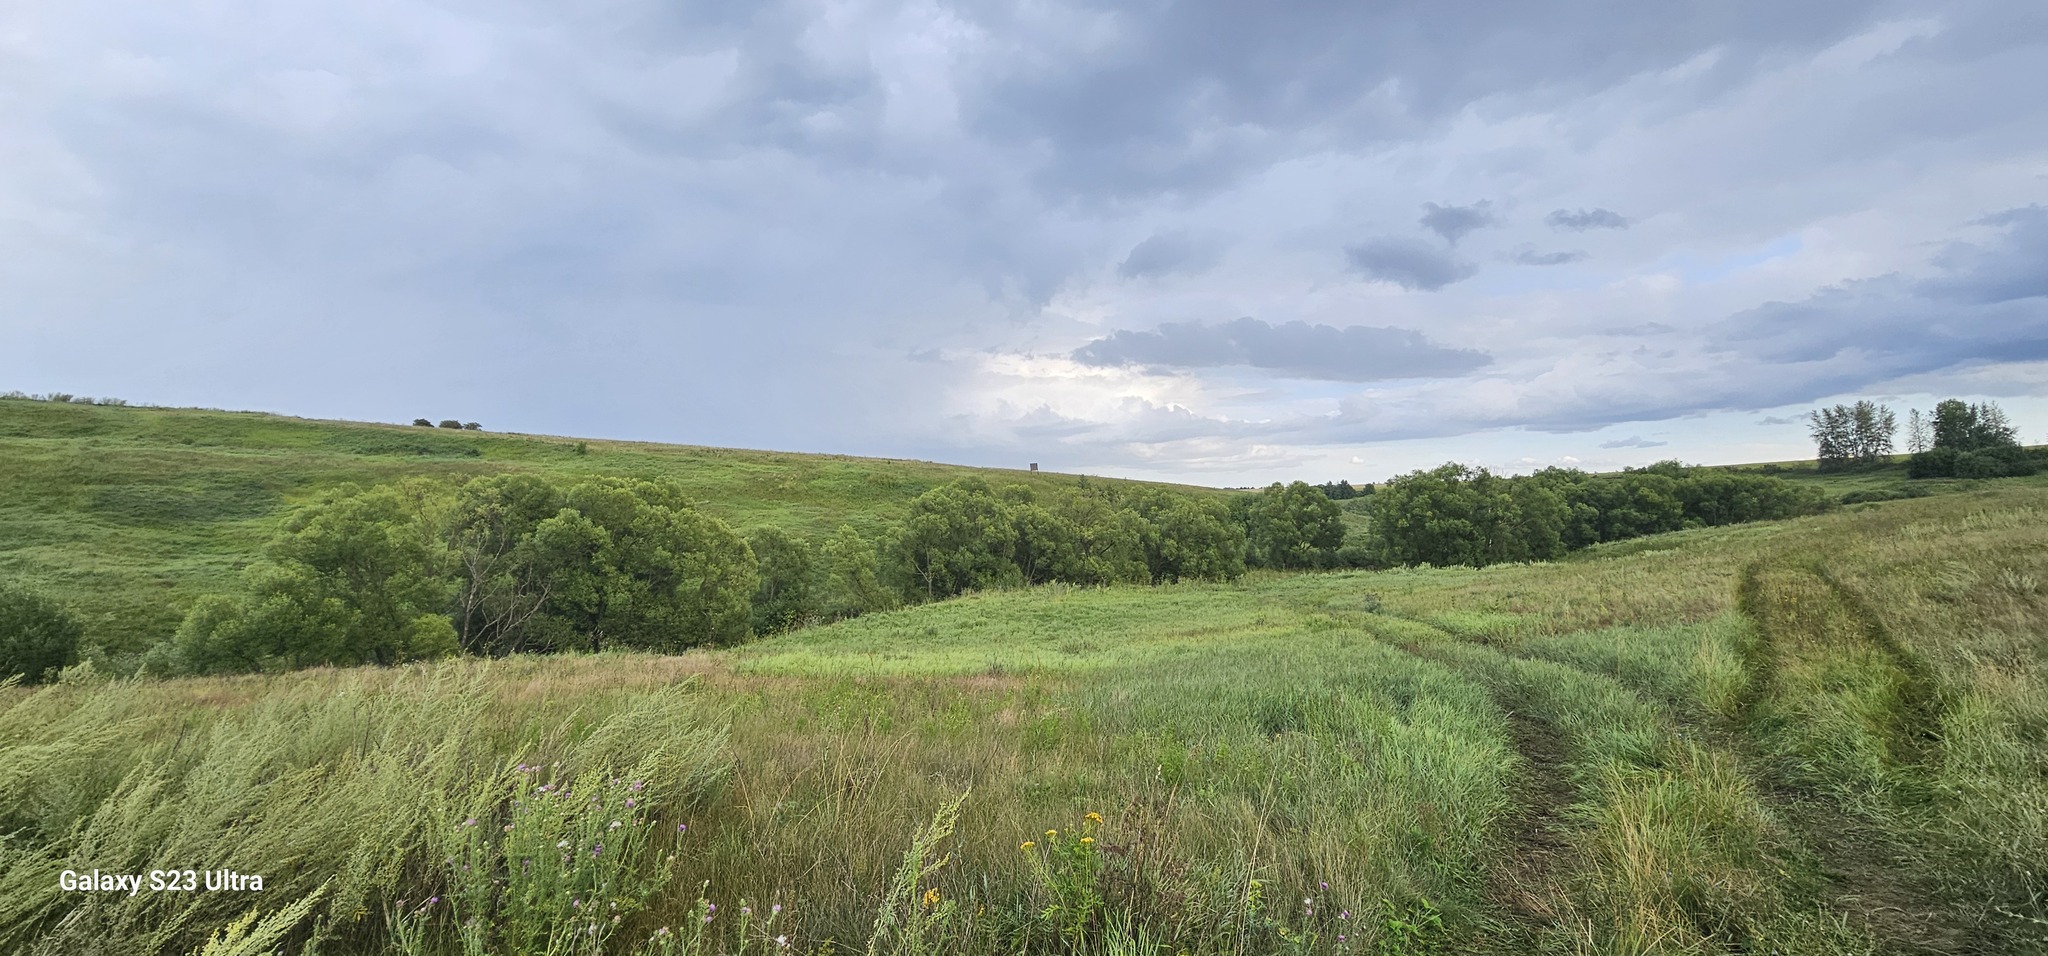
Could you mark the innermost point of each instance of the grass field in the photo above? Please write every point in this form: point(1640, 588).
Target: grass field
point(129, 514)
point(1827, 735)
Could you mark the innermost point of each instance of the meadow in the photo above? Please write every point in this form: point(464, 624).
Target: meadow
point(1826, 735)
point(129, 514)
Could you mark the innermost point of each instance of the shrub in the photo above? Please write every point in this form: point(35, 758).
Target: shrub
point(423, 423)
point(451, 423)
point(38, 637)
point(472, 427)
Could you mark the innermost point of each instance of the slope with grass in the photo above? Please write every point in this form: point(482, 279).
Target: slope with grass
point(128, 514)
point(1815, 736)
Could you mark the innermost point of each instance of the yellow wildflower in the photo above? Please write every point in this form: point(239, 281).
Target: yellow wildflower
point(1049, 834)
point(1094, 817)
point(1026, 845)
point(1087, 839)
point(931, 897)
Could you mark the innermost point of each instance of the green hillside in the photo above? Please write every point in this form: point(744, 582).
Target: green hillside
point(1816, 736)
point(127, 514)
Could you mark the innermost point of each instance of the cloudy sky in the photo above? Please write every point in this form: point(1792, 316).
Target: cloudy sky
point(1220, 243)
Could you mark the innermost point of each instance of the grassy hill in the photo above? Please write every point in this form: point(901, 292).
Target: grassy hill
point(1819, 736)
point(127, 514)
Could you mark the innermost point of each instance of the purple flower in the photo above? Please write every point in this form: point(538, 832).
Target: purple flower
point(596, 849)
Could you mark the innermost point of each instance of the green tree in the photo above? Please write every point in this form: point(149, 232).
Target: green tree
point(501, 595)
point(852, 576)
point(633, 564)
point(38, 637)
point(1185, 539)
point(1291, 526)
point(358, 577)
point(957, 537)
point(1834, 436)
point(788, 592)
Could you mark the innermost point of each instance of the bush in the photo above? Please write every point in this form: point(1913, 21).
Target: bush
point(472, 427)
point(38, 637)
point(423, 423)
point(451, 423)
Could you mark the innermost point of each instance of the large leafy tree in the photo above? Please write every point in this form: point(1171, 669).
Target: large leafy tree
point(1291, 526)
point(636, 565)
point(957, 537)
point(358, 577)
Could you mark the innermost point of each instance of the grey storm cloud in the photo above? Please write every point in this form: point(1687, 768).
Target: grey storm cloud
point(1162, 254)
point(1136, 109)
point(1584, 219)
point(1455, 222)
point(791, 220)
point(1984, 301)
point(1530, 257)
point(1633, 441)
point(1408, 263)
point(1297, 349)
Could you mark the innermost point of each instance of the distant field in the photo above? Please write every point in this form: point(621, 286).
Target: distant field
point(128, 514)
point(1819, 736)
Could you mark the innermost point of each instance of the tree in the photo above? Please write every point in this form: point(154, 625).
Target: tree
point(1916, 432)
point(421, 422)
point(1971, 441)
point(788, 568)
point(450, 423)
point(1290, 526)
point(38, 637)
point(502, 595)
point(1834, 437)
point(957, 537)
point(1872, 428)
point(852, 576)
point(358, 577)
point(634, 564)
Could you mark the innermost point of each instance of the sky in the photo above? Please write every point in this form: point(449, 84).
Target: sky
point(1218, 243)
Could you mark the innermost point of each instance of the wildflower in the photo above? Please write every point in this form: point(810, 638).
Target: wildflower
point(682, 828)
point(1322, 886)
point(711, 907)
point(931, 897)
point(561, 844)
point(746, 911)
point(469, 822)
point(1026, 845)
point(596, 848)
point(1340, 937)
point(1049, 834)
point(615, 825)
point(1093, 817)
point(1344, 915)
point(508, 828)
point(432, 900)
point(782, 941)
point(629, 803)
point(637, 784)
point(777, 908)
point(1087, 839)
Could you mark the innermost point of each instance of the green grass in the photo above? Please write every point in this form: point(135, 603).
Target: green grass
point(1817, 736)
point(129, 514)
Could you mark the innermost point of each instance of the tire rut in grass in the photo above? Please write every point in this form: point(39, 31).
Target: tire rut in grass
point(1538, 844)
point(1864, 868)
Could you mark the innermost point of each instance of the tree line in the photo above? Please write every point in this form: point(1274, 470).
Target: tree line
point(507, 564)
point(1458, 515)
point(1956, 439)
